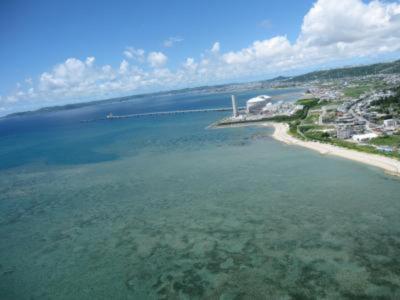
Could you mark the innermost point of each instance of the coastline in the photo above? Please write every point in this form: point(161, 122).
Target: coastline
point(389, 165)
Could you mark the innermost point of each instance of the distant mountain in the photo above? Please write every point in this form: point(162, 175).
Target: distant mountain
point(380, 68)
point(277, 79)
point(70, 106)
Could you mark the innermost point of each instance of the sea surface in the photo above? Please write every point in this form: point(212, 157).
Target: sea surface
point(163, 208)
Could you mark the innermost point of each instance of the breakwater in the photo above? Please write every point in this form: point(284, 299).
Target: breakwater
point(174, 112)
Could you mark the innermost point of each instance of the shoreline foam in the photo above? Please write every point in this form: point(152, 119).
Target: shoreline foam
point(389, 165)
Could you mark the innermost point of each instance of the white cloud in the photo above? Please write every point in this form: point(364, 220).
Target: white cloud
point(136, 54)
point(89, 61)
point(72, 72)
point(190, 64)
point(123, 67)
point(215, 48)
point(168, 43)
point(156, 59)
point(329, 32)
point(277, 47)
point(328, 23)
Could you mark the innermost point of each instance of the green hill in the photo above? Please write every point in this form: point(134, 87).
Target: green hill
point(380, 68)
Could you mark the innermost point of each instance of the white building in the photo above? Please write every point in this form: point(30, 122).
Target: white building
point(256, 104)
point(269, 108)
point(344, 132)
point(364, 137)
point(390, 123)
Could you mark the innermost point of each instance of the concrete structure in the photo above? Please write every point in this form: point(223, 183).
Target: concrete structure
point(280, 108)
point(255, 105)
point(344, 132)
point(235, 112)
point(327, 114)
point(390, 123)
point(364, 137)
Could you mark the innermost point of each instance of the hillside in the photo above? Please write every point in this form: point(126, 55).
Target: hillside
point(380, 68)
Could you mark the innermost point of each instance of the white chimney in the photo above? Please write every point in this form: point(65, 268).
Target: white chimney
point(234, 107)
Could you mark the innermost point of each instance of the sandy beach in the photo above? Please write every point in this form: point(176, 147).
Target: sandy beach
point(390, 165)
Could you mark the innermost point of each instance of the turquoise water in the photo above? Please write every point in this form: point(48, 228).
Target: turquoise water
point(162, 208)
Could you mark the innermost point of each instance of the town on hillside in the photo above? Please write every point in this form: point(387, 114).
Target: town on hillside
point(358, 112)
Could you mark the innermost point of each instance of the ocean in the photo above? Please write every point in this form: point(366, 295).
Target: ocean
point(164, 208)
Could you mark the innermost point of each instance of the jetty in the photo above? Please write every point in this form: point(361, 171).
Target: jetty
point(173, 112)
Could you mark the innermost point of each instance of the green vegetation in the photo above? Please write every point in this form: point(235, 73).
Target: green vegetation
point(356, 91)
point(363, 148)
point(312, 118)
point(390, 140)
point(301, 128)
point(309, 103)
point(388, 105)
point(381, 68)
point(301, 114)
point(314, 133)
point(293, 129)
point(313, 103)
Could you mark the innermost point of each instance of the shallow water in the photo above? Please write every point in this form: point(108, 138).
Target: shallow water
point(165, 209)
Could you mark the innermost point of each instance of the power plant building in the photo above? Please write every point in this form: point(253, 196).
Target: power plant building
point(255, 105)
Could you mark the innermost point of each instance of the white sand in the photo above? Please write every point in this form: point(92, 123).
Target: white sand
point(390, 165)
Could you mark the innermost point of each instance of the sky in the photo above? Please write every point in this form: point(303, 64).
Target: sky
point(58, 52)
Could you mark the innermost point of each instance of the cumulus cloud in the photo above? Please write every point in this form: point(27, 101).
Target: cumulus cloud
point(123, 67)
point(156, 59)
point(328, 23)
point(72, 71)
point(329, 32)
point(136, 54)
point(171, 41)
point(89, 61)
point(277, 47)
point(215, 48)
point(190, 64)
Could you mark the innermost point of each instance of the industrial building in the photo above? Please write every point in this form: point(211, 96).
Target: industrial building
point(255, 105)
point(390, 123)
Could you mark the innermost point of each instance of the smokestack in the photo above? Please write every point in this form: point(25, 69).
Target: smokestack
point(234, 107)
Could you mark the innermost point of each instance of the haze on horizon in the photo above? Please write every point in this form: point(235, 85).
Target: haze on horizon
point(62, 52)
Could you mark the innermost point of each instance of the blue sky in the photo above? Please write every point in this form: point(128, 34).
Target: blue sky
point(209, 41)
point(36, 35)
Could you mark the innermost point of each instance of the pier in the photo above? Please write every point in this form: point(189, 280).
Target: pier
point(173, 112)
